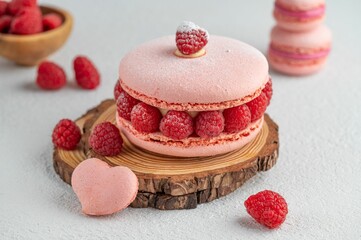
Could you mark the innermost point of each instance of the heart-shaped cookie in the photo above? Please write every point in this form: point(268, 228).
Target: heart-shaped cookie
point(102, 189)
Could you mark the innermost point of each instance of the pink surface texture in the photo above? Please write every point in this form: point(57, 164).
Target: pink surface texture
point(230, 74)
point(102, 189)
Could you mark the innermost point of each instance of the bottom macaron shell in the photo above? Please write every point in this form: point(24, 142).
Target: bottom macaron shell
point(296, 70)
point(214, 147)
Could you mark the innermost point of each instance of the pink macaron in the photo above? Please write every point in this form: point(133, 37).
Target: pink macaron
point(299, 15)
point(299, 53)
point(192, 106)
point(102, 189)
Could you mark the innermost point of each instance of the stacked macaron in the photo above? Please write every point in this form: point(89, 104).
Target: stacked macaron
point(192, 100)
point(300, 43)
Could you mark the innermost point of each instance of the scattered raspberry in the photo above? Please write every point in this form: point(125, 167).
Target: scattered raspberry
point(268, 208)
point(145, 118)
point(258, 106)
point(176, 125)
point(66, 134)
point(50, 76)
point(15, 6)
point(117, 90)
point(209, 124)
point(86, 74)
point(27, 21)
point(236, 119)
point(51, 21)
point(125, 104)
point(5, 22)
point(3, 7)
point(268, 91)
point(105, 139)
point(190, 38)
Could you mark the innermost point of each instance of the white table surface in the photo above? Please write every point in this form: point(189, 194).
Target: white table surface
point(319, 118)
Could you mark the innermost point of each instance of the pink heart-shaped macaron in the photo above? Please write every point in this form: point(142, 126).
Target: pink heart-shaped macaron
point(102, 189)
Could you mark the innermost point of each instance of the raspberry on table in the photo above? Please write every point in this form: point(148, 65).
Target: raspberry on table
point(145, 118)
point(268, 208)
point(125, 104)
point(190, 38)
point(51, 21)
point(236, 119)
point(105, 139)
point(66, 134)
point(117, 90)
point(176, 125)
point(86, 75)
point(27, 21)
point(268, 91)
point(5, 22)
point(17, 5)
point(209, 124)
point(3, 7)
point(258, 106)
point(50, 76)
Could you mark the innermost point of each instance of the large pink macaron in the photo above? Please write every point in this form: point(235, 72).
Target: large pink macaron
point(230, 74)
point(299, 53)
point(299, 15)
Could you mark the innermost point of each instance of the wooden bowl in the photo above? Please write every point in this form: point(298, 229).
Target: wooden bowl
point(29, 50)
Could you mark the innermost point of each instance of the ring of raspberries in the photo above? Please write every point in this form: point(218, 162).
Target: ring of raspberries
point(179, 125)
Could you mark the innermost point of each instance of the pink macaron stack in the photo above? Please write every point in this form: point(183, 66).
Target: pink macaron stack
point(300, 43)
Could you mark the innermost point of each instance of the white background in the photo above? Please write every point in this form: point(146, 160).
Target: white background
point(319, 118)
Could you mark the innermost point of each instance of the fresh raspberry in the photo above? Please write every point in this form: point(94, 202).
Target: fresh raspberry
point(50, 76)
point(268, 208)
point(125, 104)
point(86, 74)
point(5, 22)
point(105, 139)
point(3, 7)
point(51, 21)
point(117, 90)
point(190, 38)
point(66, 134)
point(268, 91)
point(176, 125)
point(209, 124)
point(258, 106)
point(17, 5)
point(236, 119)
point(27, 21)
point(145, 118)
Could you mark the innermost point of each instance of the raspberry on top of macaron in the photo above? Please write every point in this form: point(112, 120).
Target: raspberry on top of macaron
point(189, 103)
point(191, 40)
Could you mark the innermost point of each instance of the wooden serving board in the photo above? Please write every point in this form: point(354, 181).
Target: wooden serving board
point(167, 182)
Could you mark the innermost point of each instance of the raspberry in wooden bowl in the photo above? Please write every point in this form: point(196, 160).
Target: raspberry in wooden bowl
point(30, 45)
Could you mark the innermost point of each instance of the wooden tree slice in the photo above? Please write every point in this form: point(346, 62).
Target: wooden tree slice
point(167, 182)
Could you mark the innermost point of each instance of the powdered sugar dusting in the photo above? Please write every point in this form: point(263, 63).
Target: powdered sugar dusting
point(187, 26)
point(152, 71)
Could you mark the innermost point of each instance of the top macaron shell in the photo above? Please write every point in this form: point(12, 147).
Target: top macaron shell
point(319, 37)
point(301, 5)
point(230, 72)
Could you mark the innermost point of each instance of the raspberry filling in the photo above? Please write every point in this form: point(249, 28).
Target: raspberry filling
point(312, 13)
point(299, 56)
point(179, 125)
